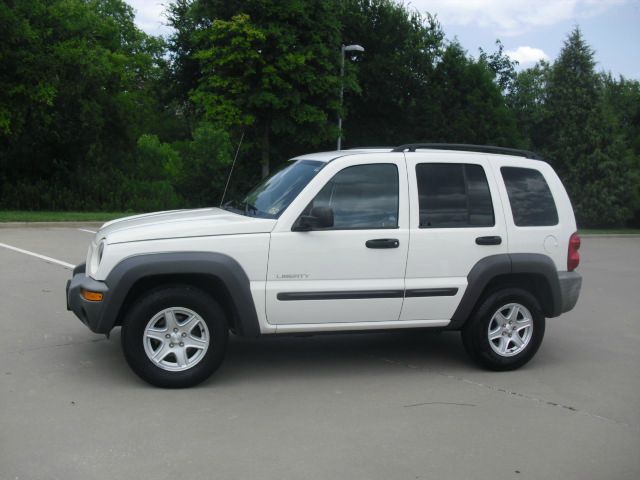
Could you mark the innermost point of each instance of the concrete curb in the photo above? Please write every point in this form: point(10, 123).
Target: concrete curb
point(50, 224)
point(610, 235)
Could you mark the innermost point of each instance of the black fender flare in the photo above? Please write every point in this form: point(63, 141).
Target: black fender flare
point(224, 268)
point(490, 267)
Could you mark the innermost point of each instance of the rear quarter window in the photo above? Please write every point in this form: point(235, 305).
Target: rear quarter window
point(531, 201)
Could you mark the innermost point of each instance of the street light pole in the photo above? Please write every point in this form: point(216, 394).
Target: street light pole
point(344, 48)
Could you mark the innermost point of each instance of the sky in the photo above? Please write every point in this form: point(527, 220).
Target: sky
point(530, 30)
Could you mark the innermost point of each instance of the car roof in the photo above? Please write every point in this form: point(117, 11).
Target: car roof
point(332, 155)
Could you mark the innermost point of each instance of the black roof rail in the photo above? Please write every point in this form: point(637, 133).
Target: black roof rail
point(412, 147)
point(374, 147)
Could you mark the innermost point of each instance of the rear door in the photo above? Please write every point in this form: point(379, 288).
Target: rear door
point(456, 220)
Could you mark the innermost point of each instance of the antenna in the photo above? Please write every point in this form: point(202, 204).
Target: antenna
point(231, 171)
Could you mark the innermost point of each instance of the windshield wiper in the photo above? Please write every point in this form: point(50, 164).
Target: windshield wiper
point(229, 207)
point(248, 206)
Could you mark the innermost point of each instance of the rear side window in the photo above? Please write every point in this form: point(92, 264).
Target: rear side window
point(531, 200)
point(453, 195)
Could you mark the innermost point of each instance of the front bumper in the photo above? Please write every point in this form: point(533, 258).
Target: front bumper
point(570, 285)
point(90, 313)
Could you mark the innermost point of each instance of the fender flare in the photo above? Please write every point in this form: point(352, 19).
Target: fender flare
point(503, 264)
point(222, 267)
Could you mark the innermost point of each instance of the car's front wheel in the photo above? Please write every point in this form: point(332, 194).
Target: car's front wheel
point(506, 330)
point(175, 336)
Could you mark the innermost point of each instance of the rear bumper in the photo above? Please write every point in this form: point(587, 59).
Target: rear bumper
point(570, 285)
point(89, 313)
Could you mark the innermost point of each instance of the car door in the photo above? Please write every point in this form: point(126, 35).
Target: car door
point(353, 271)
point(456, 221)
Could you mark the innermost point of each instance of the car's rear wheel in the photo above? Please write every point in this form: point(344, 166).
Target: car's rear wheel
point(175, 336)
point(506, 330)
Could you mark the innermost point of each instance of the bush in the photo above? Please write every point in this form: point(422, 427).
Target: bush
point(604, 187)
point(201, 172)
point(156, 176)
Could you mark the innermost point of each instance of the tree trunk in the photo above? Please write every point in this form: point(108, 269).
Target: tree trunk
point(265, 151)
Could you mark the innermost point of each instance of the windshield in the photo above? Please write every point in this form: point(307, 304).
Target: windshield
point(274, 194)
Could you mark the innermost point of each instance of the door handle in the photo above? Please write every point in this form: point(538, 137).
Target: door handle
point(383, 243)
point(489, 240)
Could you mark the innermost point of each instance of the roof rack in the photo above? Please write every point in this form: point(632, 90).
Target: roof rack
point(374, 147)
point(412, 147)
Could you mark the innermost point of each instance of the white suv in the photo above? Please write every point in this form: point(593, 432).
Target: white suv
point(459, 237)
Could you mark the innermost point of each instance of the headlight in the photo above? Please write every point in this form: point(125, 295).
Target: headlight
point(101, 250)
point(95, 257)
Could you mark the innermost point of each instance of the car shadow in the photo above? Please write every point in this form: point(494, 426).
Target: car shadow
point(291, 358)
point(294, 358)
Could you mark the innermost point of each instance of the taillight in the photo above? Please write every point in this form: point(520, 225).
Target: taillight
point(573, 257)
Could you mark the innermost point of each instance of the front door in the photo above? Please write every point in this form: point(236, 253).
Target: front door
point(351, 272)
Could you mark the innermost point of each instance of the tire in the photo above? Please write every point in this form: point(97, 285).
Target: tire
point(183, 328)
point(511, 344)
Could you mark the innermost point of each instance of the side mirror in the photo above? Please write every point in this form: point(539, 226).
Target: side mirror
point(319, 217)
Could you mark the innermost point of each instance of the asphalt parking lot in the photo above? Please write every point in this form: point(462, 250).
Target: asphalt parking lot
point(373, 406)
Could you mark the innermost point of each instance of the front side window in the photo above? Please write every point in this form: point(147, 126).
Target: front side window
point(361, 197)
point(453, 195)
point(274, 194)
point(531, 201)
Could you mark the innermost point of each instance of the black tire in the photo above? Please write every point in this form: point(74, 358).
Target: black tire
point(475, 333)
point(156, 301)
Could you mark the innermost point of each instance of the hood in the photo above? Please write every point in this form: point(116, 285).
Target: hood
point(180, 224)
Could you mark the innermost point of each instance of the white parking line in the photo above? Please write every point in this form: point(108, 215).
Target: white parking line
point(37, 255)
point(88, 231)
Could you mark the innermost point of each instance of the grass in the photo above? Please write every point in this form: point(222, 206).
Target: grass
point(27, 216)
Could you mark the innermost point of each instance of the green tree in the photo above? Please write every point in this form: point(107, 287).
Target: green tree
point(501, 65)
point(416, 86)
point(466, 103)
point(267, 66)
point(200, 170)
point(183, 44)
point(572, 124)
point(572, 103)
point(622, 100)
point(527, 101)
point(389, 102)
point(76, 92)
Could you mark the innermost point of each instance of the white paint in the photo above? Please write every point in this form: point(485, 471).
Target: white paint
point(551, 244)
point(337, 260)
point(277, 259)
point(202, 222)
point(37, 255)
point(250, 251)
point(87, 231)
point(443, 257)
point(532, 239)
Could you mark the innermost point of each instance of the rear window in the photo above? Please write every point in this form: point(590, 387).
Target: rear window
point(531, 201)
point(453, 195)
